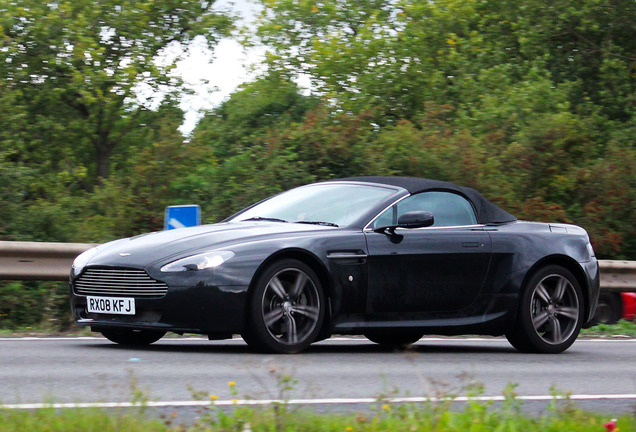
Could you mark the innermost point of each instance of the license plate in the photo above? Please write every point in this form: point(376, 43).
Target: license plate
point(111, 305)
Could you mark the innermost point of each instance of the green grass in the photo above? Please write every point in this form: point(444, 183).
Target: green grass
point(475, 417)
point(43, 331)
point(622, 328)
point(560, 416)
point(86, 420)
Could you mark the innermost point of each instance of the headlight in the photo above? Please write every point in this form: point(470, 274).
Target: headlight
point(83, 259)
point(199, 262)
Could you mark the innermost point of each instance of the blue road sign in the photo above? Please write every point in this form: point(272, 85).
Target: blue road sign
point(182, 216)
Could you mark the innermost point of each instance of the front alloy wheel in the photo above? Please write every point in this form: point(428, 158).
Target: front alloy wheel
point(551, 313)
point(286, 309)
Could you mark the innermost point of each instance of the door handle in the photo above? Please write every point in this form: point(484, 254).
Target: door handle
point(470, 244)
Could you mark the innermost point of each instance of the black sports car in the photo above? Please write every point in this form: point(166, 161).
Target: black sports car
point(391, 258)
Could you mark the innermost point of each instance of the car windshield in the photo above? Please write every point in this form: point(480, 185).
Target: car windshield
point(322, 204)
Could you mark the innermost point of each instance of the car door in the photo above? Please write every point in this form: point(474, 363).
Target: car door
point(441, 268)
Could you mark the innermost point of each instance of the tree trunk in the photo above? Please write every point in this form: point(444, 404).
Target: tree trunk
point(103, 151)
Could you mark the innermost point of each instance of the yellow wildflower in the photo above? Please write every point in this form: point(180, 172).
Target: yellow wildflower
point(314, 9)
point(231, 383)
point(213, 397)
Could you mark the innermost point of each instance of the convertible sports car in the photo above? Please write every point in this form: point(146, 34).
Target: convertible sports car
point(391, 258)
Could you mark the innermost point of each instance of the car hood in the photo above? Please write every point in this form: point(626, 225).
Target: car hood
point(164, 246)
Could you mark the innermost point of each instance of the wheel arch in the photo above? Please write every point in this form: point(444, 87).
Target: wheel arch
point(522, 332)
point(571, 265)
point(314, 263)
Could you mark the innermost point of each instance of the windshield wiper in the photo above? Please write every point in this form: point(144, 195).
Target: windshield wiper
point(268, 219)
point(318, 223)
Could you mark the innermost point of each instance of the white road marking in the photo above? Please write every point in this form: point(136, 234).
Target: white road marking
point(328, 401)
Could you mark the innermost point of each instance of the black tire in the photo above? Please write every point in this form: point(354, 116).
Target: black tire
point(550, 312)
point(132, 337)
point(394, 338)
point(609, 309)
point(286, 309)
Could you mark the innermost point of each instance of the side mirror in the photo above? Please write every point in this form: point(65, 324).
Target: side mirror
point(416, 219)
point(412, 219)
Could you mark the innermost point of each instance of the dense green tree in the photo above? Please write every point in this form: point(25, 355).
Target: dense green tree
point(81, 83)
point(239, 163)
point(399, 55)
point(254, 110)
point(78, 68)
point(521, 99)
point(518, 99)
point(134, 201)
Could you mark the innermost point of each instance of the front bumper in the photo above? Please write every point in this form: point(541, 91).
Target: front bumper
point(198, 309)
point(593, 275)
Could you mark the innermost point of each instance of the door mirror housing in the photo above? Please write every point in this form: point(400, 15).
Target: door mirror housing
point(412, 219)
point(416, 219)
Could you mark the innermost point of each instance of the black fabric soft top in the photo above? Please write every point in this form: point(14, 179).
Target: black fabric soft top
point(487, 212)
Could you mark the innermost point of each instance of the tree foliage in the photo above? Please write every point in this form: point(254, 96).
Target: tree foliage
point(76, 69)
point(84, 84)
point(532, 103)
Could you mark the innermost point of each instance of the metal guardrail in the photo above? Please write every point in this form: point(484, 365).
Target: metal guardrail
point(38, 261)
point(618, 275)
point(52, 261)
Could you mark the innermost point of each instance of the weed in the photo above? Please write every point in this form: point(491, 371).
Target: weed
point(622, 328)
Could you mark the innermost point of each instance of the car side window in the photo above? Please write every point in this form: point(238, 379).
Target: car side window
point(449, 209)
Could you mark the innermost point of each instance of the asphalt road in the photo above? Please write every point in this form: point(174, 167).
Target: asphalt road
point(600, 374)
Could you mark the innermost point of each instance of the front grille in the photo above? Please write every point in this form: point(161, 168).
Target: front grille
point(118, 282)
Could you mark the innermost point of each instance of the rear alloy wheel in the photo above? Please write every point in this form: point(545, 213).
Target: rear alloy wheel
point(394, 338)
point(287, 308)
point(132, 337)
point(551, 312)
